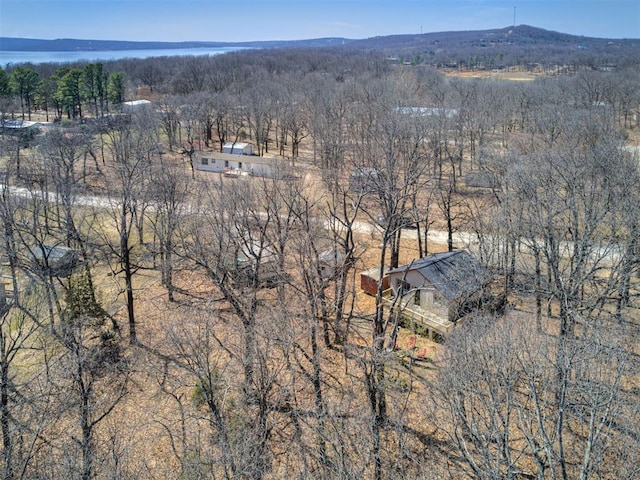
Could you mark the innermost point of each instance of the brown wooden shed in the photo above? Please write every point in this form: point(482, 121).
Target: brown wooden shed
point(369, 280)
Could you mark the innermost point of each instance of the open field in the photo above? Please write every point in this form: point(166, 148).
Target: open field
point(500, 75)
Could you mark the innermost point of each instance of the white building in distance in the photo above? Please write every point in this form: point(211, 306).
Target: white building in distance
point(237, 148)
point(238, 165)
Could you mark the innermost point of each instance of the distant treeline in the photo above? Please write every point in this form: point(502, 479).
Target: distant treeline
point(75, 90)
point(64, 91)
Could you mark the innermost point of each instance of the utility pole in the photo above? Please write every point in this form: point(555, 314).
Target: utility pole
point(514, 17)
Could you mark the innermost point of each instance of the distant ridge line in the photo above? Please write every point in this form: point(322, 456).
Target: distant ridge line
point(519, 34)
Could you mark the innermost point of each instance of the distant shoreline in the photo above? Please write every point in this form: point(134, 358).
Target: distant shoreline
point(9, 44)
point(39, 57)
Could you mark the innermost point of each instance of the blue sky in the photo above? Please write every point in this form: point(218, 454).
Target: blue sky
point(231, 21)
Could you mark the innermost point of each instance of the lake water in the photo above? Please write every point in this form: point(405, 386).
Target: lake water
point(101, 56)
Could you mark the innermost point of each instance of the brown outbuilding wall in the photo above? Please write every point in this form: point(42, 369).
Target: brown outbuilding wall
point(369, 280)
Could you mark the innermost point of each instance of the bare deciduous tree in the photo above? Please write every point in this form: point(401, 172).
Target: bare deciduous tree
point(497, 394)
point(134, 149)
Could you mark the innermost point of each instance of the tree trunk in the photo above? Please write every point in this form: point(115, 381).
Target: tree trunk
point(7, 443)
point(125, 252)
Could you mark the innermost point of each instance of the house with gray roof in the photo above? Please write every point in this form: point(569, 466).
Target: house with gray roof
point(437, 289)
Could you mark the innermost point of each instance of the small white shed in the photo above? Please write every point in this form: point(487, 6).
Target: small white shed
point(237, 148)
point(135, 105)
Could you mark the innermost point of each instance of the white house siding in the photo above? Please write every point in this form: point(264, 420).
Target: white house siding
point(207, 164)
point(219, 162)
point(430, 299)
point(412, 277)
point(262, 169)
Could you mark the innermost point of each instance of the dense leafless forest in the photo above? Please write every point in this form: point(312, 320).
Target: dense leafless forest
point(157, 321)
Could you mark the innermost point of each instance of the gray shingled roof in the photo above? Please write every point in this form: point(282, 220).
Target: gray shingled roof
point(57, 260)
point(454, 274)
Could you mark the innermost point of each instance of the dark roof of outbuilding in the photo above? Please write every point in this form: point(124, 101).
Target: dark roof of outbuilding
point(53, 253)
point(453, 274)
point(57, 260)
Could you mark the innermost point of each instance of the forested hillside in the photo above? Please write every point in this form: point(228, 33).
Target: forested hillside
point(497, 48)
point(161, 321)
